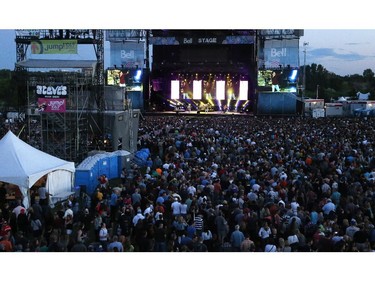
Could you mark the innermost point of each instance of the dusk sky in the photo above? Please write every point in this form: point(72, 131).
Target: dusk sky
point(341, 51)
point(341, 38)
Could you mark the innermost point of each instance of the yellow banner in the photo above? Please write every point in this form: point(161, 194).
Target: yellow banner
point(53, 47)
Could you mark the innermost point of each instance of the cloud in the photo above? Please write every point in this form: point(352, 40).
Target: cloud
point(339, 54)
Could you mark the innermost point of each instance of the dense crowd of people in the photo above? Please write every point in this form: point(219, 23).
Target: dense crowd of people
point(220, 184)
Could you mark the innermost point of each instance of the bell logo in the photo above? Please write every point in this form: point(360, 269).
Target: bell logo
point(128, 55)
point(188, 41)
point(278, 53)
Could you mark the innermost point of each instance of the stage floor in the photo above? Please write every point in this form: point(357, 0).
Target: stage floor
point(200, 113)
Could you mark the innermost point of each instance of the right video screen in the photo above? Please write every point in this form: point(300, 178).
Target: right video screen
point(278, 80)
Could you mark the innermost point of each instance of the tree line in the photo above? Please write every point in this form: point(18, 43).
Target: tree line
point(330, 86)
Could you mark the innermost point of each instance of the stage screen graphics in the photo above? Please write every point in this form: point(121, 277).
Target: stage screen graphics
point(244, 85)
point(197, 89)
point(124, 77)
point(220, 90)
point(175, 89)
point(287, 79)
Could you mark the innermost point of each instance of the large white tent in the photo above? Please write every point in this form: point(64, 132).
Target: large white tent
point(23, 165)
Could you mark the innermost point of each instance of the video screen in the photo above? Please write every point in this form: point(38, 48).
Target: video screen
point(280, 80)
point(123, 77)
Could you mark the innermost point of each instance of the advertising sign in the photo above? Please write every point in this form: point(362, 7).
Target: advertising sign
point(127, 54)
point(51, 105)
point(45, 91)
point(280, 53)
point(53, 47)
point(208, 40)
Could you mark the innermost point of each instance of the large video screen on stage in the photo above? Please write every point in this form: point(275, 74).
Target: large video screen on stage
point(123, 77)
point(278, 80)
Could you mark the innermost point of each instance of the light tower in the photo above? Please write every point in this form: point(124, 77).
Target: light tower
point(305, 44)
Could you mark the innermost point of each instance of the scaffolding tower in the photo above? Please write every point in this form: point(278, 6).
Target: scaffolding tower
point(68, 134)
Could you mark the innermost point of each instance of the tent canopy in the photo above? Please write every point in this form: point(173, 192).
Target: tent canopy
point(23, 165)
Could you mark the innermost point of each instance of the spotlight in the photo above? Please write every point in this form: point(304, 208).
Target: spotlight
point(293, 75)
point(138, 75)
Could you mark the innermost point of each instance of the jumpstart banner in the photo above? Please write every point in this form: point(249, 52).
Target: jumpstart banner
point(53, 47)
point(51, 105)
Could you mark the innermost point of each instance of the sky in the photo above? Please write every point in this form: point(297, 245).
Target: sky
point(342, 42)
point(341, 51)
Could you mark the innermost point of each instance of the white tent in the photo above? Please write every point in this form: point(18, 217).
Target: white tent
point(362, 96)
point(23, 165)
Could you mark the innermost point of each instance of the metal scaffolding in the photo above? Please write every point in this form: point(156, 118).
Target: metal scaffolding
point(66, 134)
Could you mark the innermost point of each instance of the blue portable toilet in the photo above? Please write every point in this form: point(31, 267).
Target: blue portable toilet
point(103, 165)
point(113, 166)
point(124, 158)
point(87, 174)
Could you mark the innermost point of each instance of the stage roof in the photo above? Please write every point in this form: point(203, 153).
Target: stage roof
point(33, 63)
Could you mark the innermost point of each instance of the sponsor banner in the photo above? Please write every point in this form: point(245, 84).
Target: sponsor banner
point(28, 32)
point(51, 91)
point(128, 54)
point(210, 40)
point(114, 35)
point(51, 105)
point(53, 47)
point(280, 53)
point(281, 32)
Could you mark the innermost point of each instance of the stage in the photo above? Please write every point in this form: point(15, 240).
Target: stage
point(198, 113)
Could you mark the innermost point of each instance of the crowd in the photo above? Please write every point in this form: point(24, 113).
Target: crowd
point(220, 184)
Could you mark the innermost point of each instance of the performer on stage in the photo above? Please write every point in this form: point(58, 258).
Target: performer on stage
point(122, 76)
point(275, 81)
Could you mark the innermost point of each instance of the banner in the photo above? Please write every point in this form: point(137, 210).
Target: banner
point(51, 105)
point(51, 91)
point(53, 47)
point(208, 40)
point(115, 35)
point(280, 54)
point(128, 54)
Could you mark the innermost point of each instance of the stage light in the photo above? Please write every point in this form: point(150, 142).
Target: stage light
point(293, 75)
point(138, 75)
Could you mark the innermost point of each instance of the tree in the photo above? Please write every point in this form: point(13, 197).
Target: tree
point(368, 75)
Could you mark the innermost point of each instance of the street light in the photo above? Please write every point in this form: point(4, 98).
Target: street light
point(305, 44)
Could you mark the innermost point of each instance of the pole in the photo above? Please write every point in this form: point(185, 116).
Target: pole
point(305, 44)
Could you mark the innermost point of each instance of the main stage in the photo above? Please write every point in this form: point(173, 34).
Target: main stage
point(197, 113)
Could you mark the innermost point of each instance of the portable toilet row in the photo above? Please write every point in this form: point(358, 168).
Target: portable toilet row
point(102, 163)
